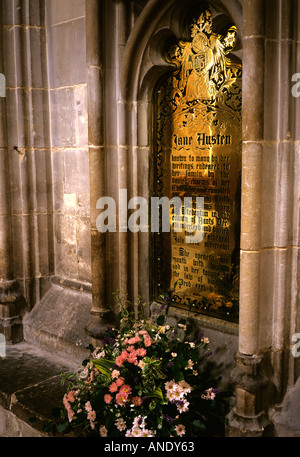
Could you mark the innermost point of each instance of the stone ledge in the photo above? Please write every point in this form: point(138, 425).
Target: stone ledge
point(30, 387)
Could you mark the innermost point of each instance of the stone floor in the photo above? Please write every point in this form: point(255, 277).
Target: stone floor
point(30, 387)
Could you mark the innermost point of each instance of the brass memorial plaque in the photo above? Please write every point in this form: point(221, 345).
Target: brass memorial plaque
point(198, 154)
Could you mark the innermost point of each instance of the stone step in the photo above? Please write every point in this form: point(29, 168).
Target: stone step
point(30, 387)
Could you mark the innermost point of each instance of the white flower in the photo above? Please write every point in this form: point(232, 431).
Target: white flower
point(182, 326)
point(178, 393)
point(139, 421)
point(190, 364)
point(135, 431)
point(169, 385)
point(120, 424)
point(180, 429)
point(183, 408)
point(141, 364)
point(115, 374)
point(146, 433)
point(185, 386)
point(210, 394)
point(98, 355)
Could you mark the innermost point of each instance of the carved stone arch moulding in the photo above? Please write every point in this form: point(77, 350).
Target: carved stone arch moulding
point(159, 23)
point(146, 63)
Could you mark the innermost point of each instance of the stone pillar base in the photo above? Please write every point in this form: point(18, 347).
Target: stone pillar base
point(11, 306)
point(248, 418)
point(247, 426)
point(100, 320)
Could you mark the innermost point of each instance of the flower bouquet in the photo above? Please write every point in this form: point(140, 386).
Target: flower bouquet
point(145, 381)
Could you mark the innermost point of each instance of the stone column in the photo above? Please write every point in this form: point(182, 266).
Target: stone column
point(247, 418)
point(100, 313)
point(11, 302)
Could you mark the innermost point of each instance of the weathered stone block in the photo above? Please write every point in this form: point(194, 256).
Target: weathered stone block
point(66, 245)
point(254, 18)
point(63, 117)
point(57, 322)
point(39, 77)
point(40, 118)
point(58, 12)
point(253, 89)
point(16, 118)
point(76, 177)
point(57, 161)
point(251, 196)
point(66, 43)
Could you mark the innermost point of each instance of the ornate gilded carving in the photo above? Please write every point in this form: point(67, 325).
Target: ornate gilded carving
point(198, 154)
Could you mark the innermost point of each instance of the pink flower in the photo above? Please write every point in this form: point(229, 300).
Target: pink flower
point(68, 407)
point(113, 387)
point(107, 398)
point(121, 398)
point(103, 431)
point(124, 355)
point(121, 358)
point(141, 352)
point(115, 374)
point(119, 361)
point(180, 429)
point(136, 401)
point(134, 340)
point(125, 389)
point(132, 357)
point(120, 381)
point(143, 332)
point(66, 402)
point(71, 396)
point(88, 406)
point(70, 414)
point(120, 424)
point(91, 415)
point(141, 364)
point(147, 341)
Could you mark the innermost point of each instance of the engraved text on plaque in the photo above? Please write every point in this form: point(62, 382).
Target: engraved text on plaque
point(198, 154)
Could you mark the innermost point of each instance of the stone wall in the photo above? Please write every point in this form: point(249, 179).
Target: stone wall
point(45, 166)
point(66, 57)
point(57, 322)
